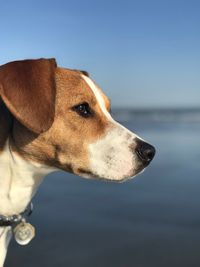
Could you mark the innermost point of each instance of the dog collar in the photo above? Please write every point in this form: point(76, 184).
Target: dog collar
point(16, 218)
point(23, 232)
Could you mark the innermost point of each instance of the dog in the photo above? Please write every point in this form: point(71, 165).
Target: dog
point(56, 118)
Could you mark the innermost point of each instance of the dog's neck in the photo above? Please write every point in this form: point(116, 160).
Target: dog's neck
point(19, 180)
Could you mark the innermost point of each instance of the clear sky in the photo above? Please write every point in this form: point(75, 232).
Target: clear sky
point(143, 53)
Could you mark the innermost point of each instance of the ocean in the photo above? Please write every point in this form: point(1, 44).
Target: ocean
point(150, 221)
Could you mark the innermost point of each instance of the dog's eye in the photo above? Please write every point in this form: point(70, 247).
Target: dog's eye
point(83, 110)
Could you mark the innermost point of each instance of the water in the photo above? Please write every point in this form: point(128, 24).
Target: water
point(150, 221)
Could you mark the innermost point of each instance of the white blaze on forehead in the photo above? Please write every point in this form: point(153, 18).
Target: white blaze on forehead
point(101, 103)
point(98, 96)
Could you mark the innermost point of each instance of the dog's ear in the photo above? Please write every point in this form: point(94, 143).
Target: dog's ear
point(28, 90)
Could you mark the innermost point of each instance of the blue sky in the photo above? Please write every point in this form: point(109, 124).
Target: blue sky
point(143, 53)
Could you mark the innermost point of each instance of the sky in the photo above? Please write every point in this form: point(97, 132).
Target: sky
point(143, 53)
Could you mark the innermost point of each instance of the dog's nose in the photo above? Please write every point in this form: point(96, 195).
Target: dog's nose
point(145, 151)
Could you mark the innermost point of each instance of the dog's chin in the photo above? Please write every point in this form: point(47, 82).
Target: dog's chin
point(114, 178)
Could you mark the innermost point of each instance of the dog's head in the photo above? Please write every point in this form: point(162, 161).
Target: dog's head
point(62, 119)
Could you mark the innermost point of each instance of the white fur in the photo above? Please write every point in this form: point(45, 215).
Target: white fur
point(112, 157)
point(5, 237)
point(19, 180)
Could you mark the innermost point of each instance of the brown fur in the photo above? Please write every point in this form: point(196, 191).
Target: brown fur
point(64, 144)
point(28, 89)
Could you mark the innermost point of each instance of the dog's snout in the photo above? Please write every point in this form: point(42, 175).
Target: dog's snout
point(145, 151)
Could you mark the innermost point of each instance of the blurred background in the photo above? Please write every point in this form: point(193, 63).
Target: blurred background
point(145, 56)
